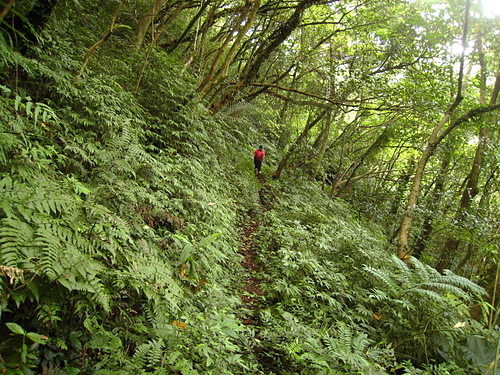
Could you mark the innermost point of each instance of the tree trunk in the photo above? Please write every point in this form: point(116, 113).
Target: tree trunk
point(292, 148)
point(436, 137)
point(253, 67)
point(189, 27)
point(375, 146)
point(6, 9)
point(451, 246)
point(92, 49)
point(402, 250)
point(147, 20)
point(324, 141)
point(401, 186)
point(241, 28)
point(428, 221)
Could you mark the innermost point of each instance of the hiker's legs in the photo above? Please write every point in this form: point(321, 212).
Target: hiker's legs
point(258, 165)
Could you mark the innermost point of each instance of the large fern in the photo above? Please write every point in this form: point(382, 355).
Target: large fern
point(423, 279)
point(433, 303)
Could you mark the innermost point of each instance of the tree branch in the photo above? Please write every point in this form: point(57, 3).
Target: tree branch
point(328, 101)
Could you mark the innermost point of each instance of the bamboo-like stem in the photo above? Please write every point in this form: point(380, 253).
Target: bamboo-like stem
point(493, 297)
point(92, 49)
point(438, 134)
point(6, 9)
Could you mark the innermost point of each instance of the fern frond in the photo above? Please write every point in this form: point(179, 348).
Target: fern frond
point(422, 271)
point(349, 346)
point(149, 355)
point(80, 153)
point(452, 289)
point(462, 282)
point(382, 276)
point(51, 206)
point(360, 342)
point(406, 272)
point(123, 166)
point(139, 155)
point(236, 110)
point(15, 235)
point(344, 335)
point(426, 292)
point(378, 295)
point(51, 248)
point(65, 263)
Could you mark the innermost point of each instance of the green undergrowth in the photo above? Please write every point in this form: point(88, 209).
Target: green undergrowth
point(337, 300)
point(120, 212)
point(118, 237)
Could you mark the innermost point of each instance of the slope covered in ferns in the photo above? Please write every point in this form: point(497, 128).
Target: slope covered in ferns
point(120, 215)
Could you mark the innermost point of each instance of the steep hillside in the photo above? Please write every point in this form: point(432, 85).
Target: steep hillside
point(120, 236)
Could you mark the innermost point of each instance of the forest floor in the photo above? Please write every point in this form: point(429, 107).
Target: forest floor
point(252, 295)
point(252, 292)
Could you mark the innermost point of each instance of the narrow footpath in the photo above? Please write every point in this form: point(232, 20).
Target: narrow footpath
point(252, 294)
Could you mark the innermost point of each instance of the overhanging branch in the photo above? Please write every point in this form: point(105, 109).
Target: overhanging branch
point(323, 101)
point(468, 116)
point(347, 103)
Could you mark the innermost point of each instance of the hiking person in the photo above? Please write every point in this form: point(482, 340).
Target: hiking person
point(258, 159)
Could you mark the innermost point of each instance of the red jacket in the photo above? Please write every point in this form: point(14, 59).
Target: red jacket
point(259, 155)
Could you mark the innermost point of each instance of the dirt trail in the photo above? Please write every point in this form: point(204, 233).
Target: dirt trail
point(251, 297)
point(252, 294)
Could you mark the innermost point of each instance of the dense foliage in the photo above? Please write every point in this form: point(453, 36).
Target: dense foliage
point(126, 134)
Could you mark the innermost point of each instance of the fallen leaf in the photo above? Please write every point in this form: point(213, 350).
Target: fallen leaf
point(179, 324)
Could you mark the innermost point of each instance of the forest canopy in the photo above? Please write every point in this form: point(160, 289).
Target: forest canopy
point(128, 203)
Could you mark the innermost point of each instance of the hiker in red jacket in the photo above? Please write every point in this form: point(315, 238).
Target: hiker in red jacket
point(258, 158)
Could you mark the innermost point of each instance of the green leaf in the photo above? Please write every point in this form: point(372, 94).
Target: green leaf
point(186, 252)
point(75, 340)
point(17, 102)
point(209, 239)
point(481, 351)
point(123, 27)
point(16, 328)
point(24, 353)
point(29, 106)
point(37, 338)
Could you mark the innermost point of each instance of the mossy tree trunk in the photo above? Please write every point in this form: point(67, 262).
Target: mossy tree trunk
point(471, 189)
point(310, 124)
point(251, 71)
point(146, 21)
